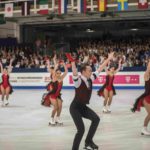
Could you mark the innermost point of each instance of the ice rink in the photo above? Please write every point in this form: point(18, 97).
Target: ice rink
point(24, 123)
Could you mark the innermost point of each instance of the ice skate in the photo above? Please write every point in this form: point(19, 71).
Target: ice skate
point(145, 132)
point(108, 109)
point(91, 146)
point(2, 103)
point(52, 122)
point(58, 121)
point(104, 110)
point(6, 103)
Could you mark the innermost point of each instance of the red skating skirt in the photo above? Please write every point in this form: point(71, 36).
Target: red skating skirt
point(46, 100)
point(108, 88)
point(5, 86)
point(140, 103)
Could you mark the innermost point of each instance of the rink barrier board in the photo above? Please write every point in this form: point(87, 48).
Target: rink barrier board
point(123, 80)
point(72, 87)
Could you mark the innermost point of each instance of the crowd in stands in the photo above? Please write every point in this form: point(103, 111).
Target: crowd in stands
point(134, 53)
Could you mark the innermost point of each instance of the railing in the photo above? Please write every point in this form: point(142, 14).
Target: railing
point(21, 70)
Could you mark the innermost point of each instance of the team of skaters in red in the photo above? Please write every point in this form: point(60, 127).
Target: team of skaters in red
point(83, 90)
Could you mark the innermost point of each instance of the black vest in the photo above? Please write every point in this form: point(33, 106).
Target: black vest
point(83, 93)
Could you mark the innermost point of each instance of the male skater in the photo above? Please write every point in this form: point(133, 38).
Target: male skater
point(78, 107)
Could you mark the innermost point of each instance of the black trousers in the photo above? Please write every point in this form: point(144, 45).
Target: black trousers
point(78, 111)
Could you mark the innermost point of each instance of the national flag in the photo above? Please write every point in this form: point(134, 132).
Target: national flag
point(102, 5)
point(62, 6)
point(25, 8)
point(43, 7)
point(122, 4)
point(81, 6)
point(142, 4)
point(9, 10)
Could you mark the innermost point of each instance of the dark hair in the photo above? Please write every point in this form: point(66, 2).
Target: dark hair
point(58, 70)
point(83, 67)
point(113, 65)
point(52, 67)
point(5, 68)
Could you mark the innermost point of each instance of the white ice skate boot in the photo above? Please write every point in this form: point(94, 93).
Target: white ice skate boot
point(58, 121)
point(2, 103)
point(6, 103)
point(104, 109)
point(145, 132)
point(108, 109)
point(52, 122)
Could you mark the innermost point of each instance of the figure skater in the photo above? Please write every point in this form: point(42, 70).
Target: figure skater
point(108, 90)
point(5, 86)
point(144, 101)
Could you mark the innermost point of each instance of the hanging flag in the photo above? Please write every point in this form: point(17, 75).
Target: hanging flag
point(81, 6)
point(43, 7)
point(122, 5)
point(102, 5)
point(142, 4)
point(62, 6)
point(9, 10)
point(25, 8)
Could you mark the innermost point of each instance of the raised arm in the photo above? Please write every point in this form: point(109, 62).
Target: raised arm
point(146, 74)
point(74, 69)
point(48, 66)
point(10, 66)
point(103, 65)
point(66, 71)
point(55, 62)
point(119, 66)
point(1, 67)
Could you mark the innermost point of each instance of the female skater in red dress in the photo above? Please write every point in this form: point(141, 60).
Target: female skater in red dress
point(108, 90)
point(51, 69)
point(54, 95)
point(5, 87)
point(144, 101)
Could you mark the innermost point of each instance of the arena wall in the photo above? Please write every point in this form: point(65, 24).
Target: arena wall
point(123, 80)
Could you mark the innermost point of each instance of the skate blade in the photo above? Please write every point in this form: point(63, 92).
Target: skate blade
point(87, 148)
point(105, 112)
point(145, 134)
point(52, 125)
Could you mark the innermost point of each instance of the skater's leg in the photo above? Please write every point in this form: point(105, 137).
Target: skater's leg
point(3, 94)
point(7, 95)
point(105, 100)
point(58, 120)
point(55, 107)
point(147, 119)
point(59, 102)
point(91, 115)
point(110, 100)
point(77, 118)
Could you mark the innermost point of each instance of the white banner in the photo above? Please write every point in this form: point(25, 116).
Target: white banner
point(42, 79)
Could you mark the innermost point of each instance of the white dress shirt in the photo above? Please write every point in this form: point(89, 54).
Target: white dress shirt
point(77, 79)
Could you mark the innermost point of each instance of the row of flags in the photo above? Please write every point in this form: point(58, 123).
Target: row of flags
point(62, 6)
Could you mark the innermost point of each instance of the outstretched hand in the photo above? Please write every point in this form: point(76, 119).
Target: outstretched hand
point(47, 62)
point(69, 57)
point(55, 57)
point(11, 60)
point(120, 60)
point(111, 55)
